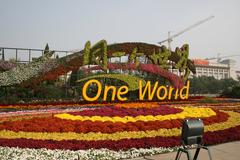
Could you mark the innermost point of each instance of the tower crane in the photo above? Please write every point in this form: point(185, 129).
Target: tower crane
point(170, 38)
point(218, 58)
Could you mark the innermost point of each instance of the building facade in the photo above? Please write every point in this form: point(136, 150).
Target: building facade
point(210, 69)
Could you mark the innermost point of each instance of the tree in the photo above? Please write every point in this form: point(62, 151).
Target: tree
point(210, 85)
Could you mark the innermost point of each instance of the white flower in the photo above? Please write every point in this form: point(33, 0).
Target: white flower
point(15, 153)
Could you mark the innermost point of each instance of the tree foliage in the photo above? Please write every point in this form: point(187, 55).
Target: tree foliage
point(210, 85)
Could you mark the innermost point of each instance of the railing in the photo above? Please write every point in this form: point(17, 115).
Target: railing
point(25, 55)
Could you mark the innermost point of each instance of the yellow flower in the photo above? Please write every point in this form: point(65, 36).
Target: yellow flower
point(232, 121)
point(187, 112)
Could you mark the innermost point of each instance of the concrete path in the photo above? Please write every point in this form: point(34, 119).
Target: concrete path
point(226, 151)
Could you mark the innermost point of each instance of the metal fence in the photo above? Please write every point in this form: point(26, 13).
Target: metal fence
point(25, 55)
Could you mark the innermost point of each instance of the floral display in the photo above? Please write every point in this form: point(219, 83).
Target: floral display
point(186, 111)
point(7, 153)
point(46, 68)
point(150, 68)
point(22, 73)
point(117, 130)
point(91, 126)
point(6, 65)
point(132, 81)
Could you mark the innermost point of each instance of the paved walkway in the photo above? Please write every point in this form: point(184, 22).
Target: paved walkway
point(226, 151)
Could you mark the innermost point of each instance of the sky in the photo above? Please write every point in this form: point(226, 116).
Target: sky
point(68, 24)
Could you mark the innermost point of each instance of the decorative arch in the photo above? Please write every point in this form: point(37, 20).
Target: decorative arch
point(158, 60)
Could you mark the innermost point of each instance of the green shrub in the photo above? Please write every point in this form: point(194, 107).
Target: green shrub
point(233, 92)
point(208, 100)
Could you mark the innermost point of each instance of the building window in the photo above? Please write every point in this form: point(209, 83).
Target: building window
point(225, 75)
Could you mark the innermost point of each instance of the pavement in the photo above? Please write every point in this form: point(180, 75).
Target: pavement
point(226, 151)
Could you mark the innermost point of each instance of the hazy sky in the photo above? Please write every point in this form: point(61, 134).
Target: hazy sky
point(68, 24)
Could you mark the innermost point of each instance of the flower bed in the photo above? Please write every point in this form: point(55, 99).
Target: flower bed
point(117, 130)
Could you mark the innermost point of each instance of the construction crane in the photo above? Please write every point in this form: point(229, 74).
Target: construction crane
point(218, 58)
point(170, 38)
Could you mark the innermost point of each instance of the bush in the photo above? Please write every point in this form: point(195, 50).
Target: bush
point(208, 100)
point(50, 91)
point(232, 93)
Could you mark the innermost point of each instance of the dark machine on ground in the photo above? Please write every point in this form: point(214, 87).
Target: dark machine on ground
point(192, 134)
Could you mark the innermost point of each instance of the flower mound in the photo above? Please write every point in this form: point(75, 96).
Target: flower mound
point(117, 127)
